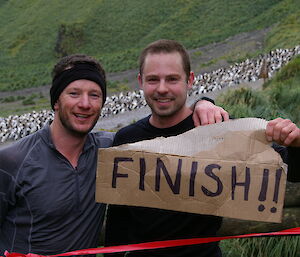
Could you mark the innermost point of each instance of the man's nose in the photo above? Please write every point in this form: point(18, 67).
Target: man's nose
point(84, 101)
point(162, 87)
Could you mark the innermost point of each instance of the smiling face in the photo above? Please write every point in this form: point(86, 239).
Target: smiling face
point(165, 87)
point(78, 107)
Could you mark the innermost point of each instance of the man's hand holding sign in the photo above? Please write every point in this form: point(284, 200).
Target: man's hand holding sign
point(283, 132)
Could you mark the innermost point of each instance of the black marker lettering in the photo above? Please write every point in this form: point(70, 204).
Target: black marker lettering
point(115, 170)
point(245, 184)
point(263, 190)
point(142, 174)
point(208, 171)
point(161, 166)
point(192, 178)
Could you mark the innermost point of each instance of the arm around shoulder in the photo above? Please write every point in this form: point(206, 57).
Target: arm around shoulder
point(206, 112)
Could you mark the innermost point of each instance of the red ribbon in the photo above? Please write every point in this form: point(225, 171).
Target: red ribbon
point(158, 244)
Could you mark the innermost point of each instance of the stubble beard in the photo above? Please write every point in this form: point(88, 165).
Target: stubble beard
point(72, 130)
point(166, 113)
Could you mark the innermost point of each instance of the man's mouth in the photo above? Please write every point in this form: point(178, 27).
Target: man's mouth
point(82, 116)
point(163, 100)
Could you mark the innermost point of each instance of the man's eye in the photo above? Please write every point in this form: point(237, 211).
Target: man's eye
point(173, 79)
point(73, 93)
point(95, 95)
point(152, 79)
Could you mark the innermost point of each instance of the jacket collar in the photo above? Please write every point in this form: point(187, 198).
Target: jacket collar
point(45, 134)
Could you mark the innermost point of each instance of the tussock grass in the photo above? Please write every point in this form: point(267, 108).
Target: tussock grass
point(285, 246)
point(280, 97)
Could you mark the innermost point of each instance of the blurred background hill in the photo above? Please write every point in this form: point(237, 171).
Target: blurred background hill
point(35, 33)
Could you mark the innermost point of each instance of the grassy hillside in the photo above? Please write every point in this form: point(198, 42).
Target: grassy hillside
point(35, 33)
point(279, 97)
point(285, 34)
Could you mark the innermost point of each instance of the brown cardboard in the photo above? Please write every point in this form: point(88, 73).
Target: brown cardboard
point(225, 169)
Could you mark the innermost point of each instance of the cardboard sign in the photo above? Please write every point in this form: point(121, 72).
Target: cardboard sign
point(226, 169)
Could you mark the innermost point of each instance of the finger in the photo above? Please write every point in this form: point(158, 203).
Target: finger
point(272, 123)
point(292, 135)
point(218, 117)
point(211, 117)
point(279, 129)
point(225, 115)
point(270, 128)
point(196, 119)
point(290, 138)
point(269, 132)
point(286, 130)
point(204, 120)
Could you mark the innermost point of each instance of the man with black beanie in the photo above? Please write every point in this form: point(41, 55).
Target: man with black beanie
point(47, 179)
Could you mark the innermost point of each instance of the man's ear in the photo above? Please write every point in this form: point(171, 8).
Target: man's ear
point(140, 80)
point(191, 80)
point(55, 107)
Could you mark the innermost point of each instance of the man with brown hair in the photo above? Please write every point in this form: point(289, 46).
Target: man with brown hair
point(165, 78)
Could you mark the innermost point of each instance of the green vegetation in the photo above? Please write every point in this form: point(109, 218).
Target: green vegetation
point(239, 54)
point(117, 86)
point(17, 105)
point(30, 100)
point(285, 34)
point(279, 97)
point(33, 34)
point(195, 54)
point(262, 247)
point(211, 62)
point(8, 99)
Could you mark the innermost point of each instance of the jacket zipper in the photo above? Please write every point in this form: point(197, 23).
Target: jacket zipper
point(77, 195)
point(77, 206)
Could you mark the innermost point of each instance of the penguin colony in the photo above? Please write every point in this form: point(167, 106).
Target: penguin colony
point(15, 127)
